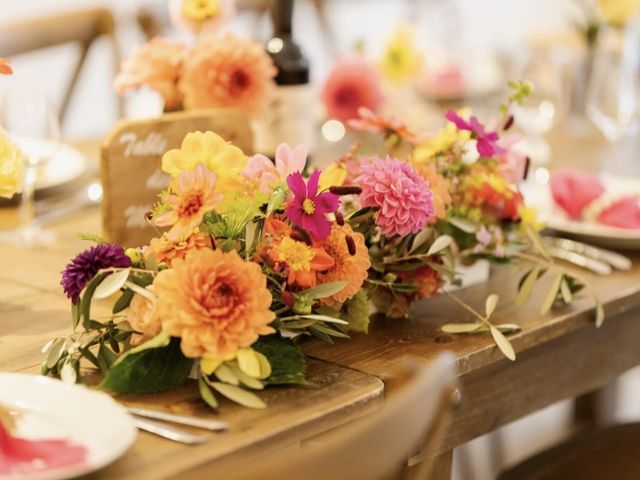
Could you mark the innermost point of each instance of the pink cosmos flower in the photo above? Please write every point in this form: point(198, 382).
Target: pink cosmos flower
point(192, 197)
point(353, 83)
point(308, 209)
point(403, 198)
point(288, 160)
point(156, 64)
point(486, 142)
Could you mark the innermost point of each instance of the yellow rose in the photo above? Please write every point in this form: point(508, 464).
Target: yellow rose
point(11, 167)
point(221, 157)
point(618, 12)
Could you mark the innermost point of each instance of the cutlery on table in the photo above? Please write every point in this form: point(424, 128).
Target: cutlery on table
point(614, 259)
point(167, 431)
point(583, 261)
point(203, 423)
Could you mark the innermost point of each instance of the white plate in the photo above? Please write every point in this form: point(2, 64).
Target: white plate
point(52, 409)
point(538, 195)
point(65, 165)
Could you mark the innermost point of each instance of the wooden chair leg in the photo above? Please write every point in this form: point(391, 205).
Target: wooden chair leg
point(595, 409)
point(442, 466)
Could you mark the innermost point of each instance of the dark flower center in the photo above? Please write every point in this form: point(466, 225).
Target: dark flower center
point(347, 97)
point(190, 205)
point(238, 82)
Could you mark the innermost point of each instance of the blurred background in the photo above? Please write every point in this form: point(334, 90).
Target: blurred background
point(582, 90)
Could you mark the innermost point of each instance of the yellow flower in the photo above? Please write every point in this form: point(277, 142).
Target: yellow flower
point(401, 60)
point(11, 167)
point(200, 10)
point(333, 176)
point(221, 157)
point(296, 255)
point(618, 12)
point(442, 141)
point(529, 216)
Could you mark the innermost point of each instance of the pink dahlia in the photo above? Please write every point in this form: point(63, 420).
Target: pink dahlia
point(227, 72)
point(353, 83)
point(403, 198)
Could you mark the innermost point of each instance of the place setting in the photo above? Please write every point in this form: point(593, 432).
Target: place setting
point(274, 246)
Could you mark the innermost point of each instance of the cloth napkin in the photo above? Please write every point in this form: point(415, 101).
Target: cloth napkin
point(22, 456)
point(573, 190)
point(623, 213)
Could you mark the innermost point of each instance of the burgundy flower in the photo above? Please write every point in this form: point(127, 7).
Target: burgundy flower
point(86, 264)
point(309, 209)
point(487, 142)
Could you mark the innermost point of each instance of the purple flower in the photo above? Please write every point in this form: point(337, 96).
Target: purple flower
point(86, 264)
point(309, 209)
point(486, 142)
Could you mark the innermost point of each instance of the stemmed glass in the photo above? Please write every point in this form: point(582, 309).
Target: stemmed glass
point(614, 85)
point(32, 123)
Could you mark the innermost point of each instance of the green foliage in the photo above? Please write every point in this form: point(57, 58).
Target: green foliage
point(287, 361)
point(356, 312)
point(154, 366)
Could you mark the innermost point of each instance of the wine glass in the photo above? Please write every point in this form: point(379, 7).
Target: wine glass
point(32, 123)
point(612, 94)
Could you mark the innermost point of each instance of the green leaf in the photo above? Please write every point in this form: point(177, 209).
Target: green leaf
point(464, 225)
point(328, 330)
point(287, 361)
point(154, 366)
point(245, 379)
point(421, 237)
point(551, 294)
point(239, 395)
point(356, 312)
point(599, 313)
point(110, 285)
point(92, 238)
point(277, 199)
point(75, 314)
point(567, 296)
point(123, 302)
point(85, 303)
point(527, 286)
point(55, 352)
point(324, 290)
point(537, 242)
point(490, 304)
point(226, 375)
point(503, 344)
point(206, 394)
point(319, 318)
point(440, 243)
point(461, 327)
point(140, 290)
point(508, 327)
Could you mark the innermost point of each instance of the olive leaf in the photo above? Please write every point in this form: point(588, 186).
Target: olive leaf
point(421, 237)
point(439, 244)
point(599, 313)
point(536, 241)
point(551, 294)
point(490, 305)
point(239, 395)
point(324, 290)
point(527, 286)
point(206, 394)
point(567, 296)
point(503, 344)
point(112, 284)
point(461, 327)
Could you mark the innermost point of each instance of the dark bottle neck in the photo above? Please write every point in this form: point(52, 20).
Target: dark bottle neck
point(282, 17)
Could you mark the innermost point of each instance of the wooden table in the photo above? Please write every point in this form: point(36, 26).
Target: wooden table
point(561, 355)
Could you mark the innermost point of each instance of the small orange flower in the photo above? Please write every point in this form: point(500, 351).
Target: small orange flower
point(166, 251)
point(215, 302)
point(349, 266)
point(440, 188)
point(426, 279)
point(303, 261)
point(193, 197)
point(5, 67)
point(369, 121)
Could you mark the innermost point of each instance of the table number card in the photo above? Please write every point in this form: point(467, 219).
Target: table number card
point(131, 159)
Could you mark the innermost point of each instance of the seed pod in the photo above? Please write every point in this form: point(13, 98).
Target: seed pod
point(345, 190)
point(339, 219)
point(527, 164)
point(148, 216)
point(508, 123)
point(301, 235)
point(351, 245)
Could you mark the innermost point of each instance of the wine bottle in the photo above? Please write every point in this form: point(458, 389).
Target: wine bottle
point(290, 115)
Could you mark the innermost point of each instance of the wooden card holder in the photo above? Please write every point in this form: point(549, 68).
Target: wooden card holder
point(131, 156)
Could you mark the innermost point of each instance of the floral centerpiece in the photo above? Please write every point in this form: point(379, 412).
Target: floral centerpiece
point(11, 159)
point(256, 254)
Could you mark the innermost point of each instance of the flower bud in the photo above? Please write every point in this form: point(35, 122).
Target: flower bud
point(345, 190)
point(351, 245)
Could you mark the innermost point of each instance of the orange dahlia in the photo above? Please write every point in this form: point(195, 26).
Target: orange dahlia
point(215, 302)
point(231, 71)
point(440, 188)
point(166, 251)
point(351, 262)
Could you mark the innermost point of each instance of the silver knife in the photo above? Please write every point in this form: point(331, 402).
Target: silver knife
point(596, 266)
point(167, 431)
point(597, 253)
point(204, 423)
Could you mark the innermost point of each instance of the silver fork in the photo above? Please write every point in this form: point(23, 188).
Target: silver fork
point(597, 259)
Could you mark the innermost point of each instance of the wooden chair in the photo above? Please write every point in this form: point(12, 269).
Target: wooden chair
point(602, 453)
point(79, 26)
point(382, 445)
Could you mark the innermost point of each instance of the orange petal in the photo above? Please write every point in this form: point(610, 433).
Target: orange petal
point(5, 67)
point(321, 261)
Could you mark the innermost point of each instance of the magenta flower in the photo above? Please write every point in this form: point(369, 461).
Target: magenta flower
point(403, 197)
point(486, 142)
point(308, 209)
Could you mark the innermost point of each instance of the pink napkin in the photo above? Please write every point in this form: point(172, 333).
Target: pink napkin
point(20, 456)
point(573, 190)
point(623, 213)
